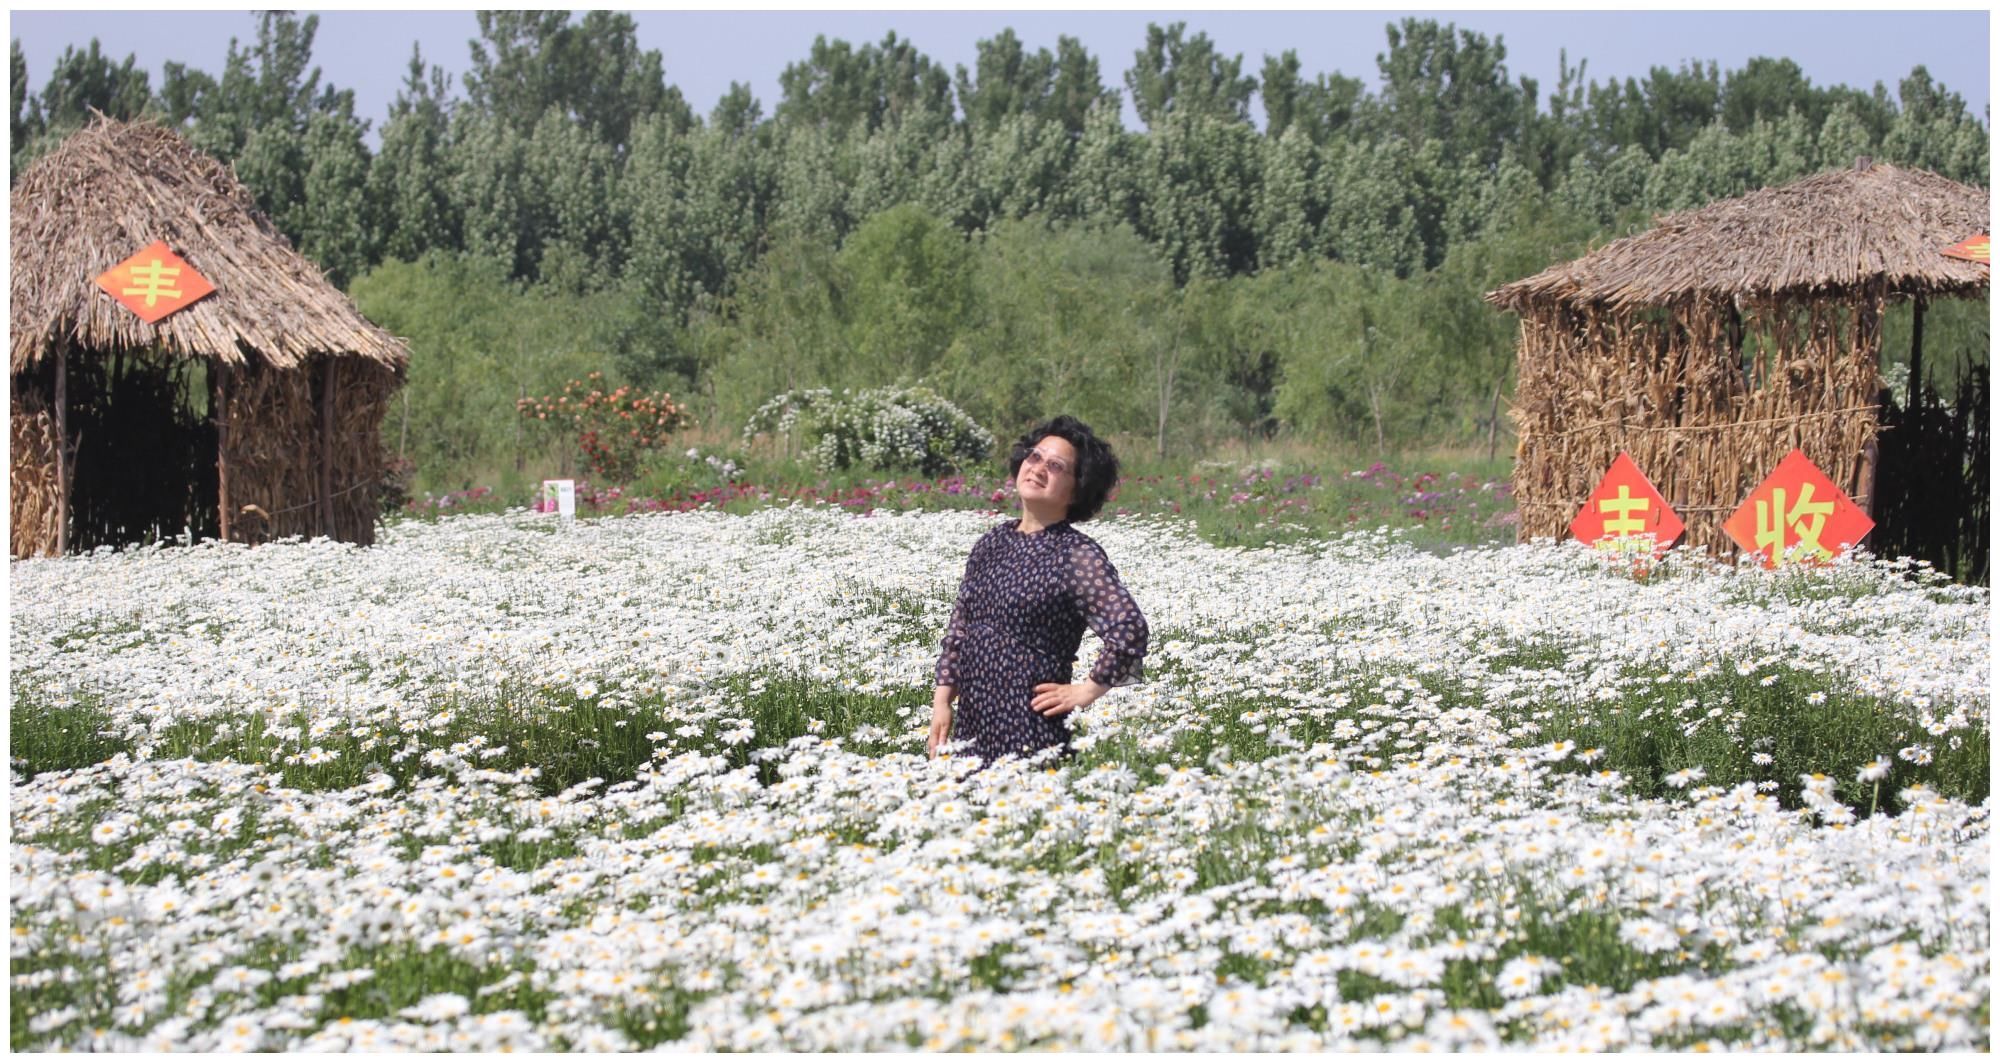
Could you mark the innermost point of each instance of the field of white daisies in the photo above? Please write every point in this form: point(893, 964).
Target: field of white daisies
point(659, 781)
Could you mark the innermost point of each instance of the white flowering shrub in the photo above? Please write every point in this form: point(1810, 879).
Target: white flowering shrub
point(891, 428)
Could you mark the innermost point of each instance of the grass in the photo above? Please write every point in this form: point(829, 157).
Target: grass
point(1646, 737)
point(1723, 724)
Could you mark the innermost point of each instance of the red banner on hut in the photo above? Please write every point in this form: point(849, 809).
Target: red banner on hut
point(1797, 514)
point(154, 283)
point(1625, 505)
point(1978, 249)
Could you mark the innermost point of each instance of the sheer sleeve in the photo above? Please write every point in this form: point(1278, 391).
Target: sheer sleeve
point(954, 632)
point(1109, 610)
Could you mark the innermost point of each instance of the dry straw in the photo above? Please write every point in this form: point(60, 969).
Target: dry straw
point(1714, 343)
point(296, 457)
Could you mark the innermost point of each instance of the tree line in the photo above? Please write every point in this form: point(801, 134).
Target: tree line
point(995, 230)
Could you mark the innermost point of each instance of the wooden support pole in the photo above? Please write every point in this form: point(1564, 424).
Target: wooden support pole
point(1917, 354)
point(62, 446)
point(326, 449)
point(220, 377)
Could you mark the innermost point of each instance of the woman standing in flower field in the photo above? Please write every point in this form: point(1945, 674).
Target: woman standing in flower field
point(1031, 586)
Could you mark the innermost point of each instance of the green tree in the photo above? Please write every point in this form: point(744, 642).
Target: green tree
point(1176, 76)
point(1319, 344)
point(1387, 207)
point(81, 81)
point(1008, 82)
point(272, 164)
point(1322, 108)
point(1079, 87)
point(499, 220)
point(268, 85)
point(1233, 331)
point(1059, 314)
point(1473, 344)
point(814, 174)
point(1933, 131)
point(26, 114)
point(85, 80)
point(1550, 142)
point(526, 63)
point(1452, 89)
point(1105, 182)
point(1289, 205)
point(1005, 81)
point(899, 162)
point(332, 220)
point(838, 88)
point(570, 175)
point(698, 205)
point(783, 330)
point(738, 112)
point(1609, 194)
point(1664, 113)
point(408, 182)
point(1767, 89)
point(1022, 167)
point(908, 289)
point(1844, 137)
point(1197, 178)
point(479, 342)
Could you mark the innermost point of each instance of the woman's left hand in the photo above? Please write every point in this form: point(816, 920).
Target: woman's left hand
point(1059, 699)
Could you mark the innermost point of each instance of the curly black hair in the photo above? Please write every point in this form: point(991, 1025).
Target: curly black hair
point(1096, 466)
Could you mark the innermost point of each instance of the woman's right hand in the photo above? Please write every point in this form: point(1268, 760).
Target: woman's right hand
point(940, 725)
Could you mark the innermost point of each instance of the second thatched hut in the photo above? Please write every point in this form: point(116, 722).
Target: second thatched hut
point(1713, 344)
point(250, 415)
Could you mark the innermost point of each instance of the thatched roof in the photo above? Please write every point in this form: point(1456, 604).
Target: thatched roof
point(114, 187)
point(1827, 234)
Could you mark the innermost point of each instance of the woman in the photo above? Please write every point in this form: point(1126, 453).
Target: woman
point(1030, 588)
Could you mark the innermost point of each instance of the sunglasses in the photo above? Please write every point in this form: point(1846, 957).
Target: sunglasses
point(1055, 466)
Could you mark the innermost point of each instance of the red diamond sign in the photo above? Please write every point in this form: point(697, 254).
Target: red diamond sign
point(154, 283)
point(1797, 514)
point(1625, 505)
point(1974, 249)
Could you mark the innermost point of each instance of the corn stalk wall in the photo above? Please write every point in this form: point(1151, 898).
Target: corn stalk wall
point(1707, 395)
point(277, 445)
point(32, 476)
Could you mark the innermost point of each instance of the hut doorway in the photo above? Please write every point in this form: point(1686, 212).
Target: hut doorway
point(141, 462)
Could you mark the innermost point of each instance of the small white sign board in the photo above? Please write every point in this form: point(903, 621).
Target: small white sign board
point(560, 496)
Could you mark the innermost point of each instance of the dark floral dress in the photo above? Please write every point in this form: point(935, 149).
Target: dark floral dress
point(1021, 612)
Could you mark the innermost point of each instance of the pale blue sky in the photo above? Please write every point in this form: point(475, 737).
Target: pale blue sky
point(704, 51)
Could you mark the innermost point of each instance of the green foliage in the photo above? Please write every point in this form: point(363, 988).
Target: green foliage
point(409, 181)
point(1172, 76)
point(893, 223)
point(82, 81)
point(528, 63)
point(1769, 726)
point(786, 331)
point(891, 429)
point(1450, 86)
point(480, 343)
point(1063, 315)
point(839, 89)
point(908, 288)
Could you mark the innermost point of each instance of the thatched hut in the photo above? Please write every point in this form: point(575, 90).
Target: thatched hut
point(250, 415)
point(1714, 343)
